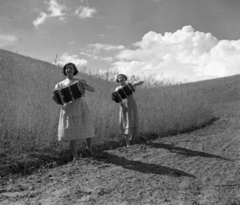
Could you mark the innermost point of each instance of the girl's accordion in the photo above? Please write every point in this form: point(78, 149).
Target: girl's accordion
point(123, 93)
point(69, 94)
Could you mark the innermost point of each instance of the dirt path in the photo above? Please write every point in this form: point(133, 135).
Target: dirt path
point(202, 167)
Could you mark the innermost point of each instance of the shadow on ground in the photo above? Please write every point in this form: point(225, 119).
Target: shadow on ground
point(184, 151)
point(142, 166)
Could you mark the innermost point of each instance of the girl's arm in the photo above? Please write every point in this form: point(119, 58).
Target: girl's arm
point(138, 83)
point(87, 87)
point(54, 97)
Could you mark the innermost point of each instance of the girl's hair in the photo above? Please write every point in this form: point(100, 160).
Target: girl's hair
point(74, 67)
point(119, 76)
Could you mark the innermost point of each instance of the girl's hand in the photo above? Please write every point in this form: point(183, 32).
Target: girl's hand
point(56, 100)
point(86, 86)
point(83, 82)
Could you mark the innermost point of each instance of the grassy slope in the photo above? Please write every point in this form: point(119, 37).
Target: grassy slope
point(27, 86)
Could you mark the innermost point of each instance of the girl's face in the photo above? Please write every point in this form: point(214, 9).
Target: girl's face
point(121, 79)
point(69, 70)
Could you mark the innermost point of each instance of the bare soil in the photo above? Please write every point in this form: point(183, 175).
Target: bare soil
point(197, 168)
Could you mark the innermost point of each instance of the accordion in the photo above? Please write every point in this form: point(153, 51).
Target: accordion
point(69, 94)
point(123, 93)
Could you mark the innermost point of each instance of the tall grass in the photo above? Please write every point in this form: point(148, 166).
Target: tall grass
point(29, 116)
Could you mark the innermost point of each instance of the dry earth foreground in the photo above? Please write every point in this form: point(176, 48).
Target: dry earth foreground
point(201, 168)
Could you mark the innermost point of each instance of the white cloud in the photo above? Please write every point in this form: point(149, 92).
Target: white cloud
point(6, 40)
point(66, 58)
point(107, 59)
point(89, 54)
point(95, 51)
point(97, 57)
point(85, 12)
point(55, 9)
point(185, 55)
point(40, 19)
point(107, 47)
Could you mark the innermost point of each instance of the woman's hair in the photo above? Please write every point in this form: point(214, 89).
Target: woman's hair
point(74, 67)
point(119, 76)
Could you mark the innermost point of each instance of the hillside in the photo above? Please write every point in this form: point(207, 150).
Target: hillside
point(188, 158)
point(220, 90)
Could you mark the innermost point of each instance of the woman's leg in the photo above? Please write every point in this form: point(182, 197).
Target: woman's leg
point(73, 145)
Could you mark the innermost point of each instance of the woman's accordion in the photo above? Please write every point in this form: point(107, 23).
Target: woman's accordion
point(69, 94)
point(123, 93)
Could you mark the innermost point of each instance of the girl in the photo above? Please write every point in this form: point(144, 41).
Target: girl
point(128, 113)
point(75, 122)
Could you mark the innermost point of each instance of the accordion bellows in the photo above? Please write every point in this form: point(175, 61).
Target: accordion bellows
point(122, 93)
point(70, 93)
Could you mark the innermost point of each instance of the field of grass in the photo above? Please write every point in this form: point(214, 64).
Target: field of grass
point(29, 116)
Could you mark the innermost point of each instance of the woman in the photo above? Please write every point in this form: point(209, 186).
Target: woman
point(128, 113)
point(75, 122)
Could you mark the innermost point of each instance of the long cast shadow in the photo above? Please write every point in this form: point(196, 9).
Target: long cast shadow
point(142, 167)
point(184, 151)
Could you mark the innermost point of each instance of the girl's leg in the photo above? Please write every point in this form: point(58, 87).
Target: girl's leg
point(73, 145)
point(133, 137)
point(126, 136)
point(89, 144)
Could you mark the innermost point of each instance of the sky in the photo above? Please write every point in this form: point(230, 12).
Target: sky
point(180, 40)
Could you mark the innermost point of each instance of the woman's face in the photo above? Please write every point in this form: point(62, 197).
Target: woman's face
point(121, 79)
point(69, 70)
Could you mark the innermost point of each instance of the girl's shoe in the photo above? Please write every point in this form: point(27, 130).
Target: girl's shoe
point(142, 139)
point(90, 153)
point(131, 142)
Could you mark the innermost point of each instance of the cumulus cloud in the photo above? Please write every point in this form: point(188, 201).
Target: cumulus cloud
point(6, 40)
point(185, 55)
point(66, 58)
point(85, 12)
point(55, 10)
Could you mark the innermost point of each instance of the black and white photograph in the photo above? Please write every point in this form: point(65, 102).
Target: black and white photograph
point(120, 102)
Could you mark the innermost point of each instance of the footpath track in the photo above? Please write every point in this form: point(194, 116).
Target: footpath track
point(201, 167)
